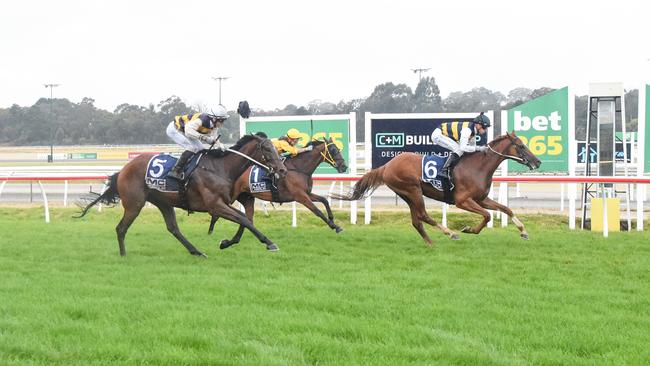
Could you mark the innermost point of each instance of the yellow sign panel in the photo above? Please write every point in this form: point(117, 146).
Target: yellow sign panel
point(613, 214)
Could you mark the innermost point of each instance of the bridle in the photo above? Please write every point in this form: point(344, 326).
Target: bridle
point(327, 155)
point(259, 147)
point(515, 158)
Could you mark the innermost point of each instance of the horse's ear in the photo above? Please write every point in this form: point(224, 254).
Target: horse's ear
point(507, 133)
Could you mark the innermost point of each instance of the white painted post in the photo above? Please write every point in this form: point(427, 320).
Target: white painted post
point(562, 197)
point(2, 186)
point(352, 163)
point(45, 203)
point(367, 209)
point(341, 194)
point(605, 228)
point(294, 219)
point(490, 223)
point(104, 188)
point(65, 193)
point(353, 209)
point(504, 201)
point(503, 187)
point(368, 162)
point(572, 187)
point(444, 214)
point(329, 192)
point(640, 157)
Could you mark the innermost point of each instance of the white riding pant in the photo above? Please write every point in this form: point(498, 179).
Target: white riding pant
point(180, 138)
point(445, 141)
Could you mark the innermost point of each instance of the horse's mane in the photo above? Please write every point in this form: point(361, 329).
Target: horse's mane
point(238, 145)
point(315, 143)
point(497, 139)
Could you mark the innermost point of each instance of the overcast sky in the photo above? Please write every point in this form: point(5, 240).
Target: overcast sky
point(280, 52)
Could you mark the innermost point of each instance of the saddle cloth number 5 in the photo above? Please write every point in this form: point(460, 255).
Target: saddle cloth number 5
point(157, 167)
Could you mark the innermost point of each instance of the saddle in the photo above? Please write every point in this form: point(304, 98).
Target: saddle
point(431, 167)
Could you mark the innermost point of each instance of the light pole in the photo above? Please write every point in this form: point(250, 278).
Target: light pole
point(420, 71)
point(50, 159)
point(220, 79)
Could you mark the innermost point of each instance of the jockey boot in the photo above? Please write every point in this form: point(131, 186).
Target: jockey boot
point(449, 165)
point(177, 170)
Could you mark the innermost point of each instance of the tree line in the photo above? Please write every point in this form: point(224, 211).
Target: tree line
point(83, 123)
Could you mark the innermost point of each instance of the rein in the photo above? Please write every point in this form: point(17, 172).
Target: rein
point(505, 155)
point(249, 158)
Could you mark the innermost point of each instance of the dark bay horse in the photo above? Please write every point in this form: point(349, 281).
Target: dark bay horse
point(472, 178)
point(296, 186)
point(208, 190)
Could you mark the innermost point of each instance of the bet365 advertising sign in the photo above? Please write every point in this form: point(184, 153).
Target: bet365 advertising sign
point(543, 125)
point(336, 129)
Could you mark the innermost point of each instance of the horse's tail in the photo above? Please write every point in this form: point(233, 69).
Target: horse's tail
point(369, 182)
point(109, 197)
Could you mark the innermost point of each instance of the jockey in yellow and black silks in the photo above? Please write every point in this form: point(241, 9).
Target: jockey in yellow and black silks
point(191, 131)
point(287, 143)
point(459, 138)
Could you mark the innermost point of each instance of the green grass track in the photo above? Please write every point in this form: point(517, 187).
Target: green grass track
point(372, 295)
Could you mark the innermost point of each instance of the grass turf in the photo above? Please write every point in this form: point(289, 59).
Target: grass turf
point(371, 295)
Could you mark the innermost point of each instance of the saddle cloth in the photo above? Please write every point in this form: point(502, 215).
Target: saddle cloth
point(159, 167)
point(431, 167)
point(259, 180)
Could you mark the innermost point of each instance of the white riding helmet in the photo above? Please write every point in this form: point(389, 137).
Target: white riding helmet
point(219, 112)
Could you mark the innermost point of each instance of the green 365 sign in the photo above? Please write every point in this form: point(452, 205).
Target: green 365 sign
point(543, 125)
point(336, 129)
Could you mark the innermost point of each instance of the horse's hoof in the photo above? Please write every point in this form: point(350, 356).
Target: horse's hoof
point(225, 244)
point(467, 229)
point(338, 229)
point(524, 236)
point(454, 236)
point(200, 254)
point(272, 248)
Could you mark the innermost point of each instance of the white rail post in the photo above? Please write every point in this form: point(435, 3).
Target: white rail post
point(45, 203)
point(294, 219)
point(503, 192)
point(368, 162)
point(640, 157)
point(367, 209)
point(605, 228)
point(65, 193)
point(444, 214)
point(353, 208)
point(329, 192)
point(561, 197)
point(572, 188)
point(490, 223)
point(99, 206)
point(2, 186)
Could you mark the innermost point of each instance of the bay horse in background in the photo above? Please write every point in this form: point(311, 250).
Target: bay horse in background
point(208, 189)
point(472, 177)
point(296, 186)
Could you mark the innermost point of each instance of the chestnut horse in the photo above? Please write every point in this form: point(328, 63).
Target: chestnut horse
point(472, 177)
point(208, 189)
point(296, 186)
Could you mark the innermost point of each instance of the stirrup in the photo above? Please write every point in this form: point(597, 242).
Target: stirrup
point(172, 174)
